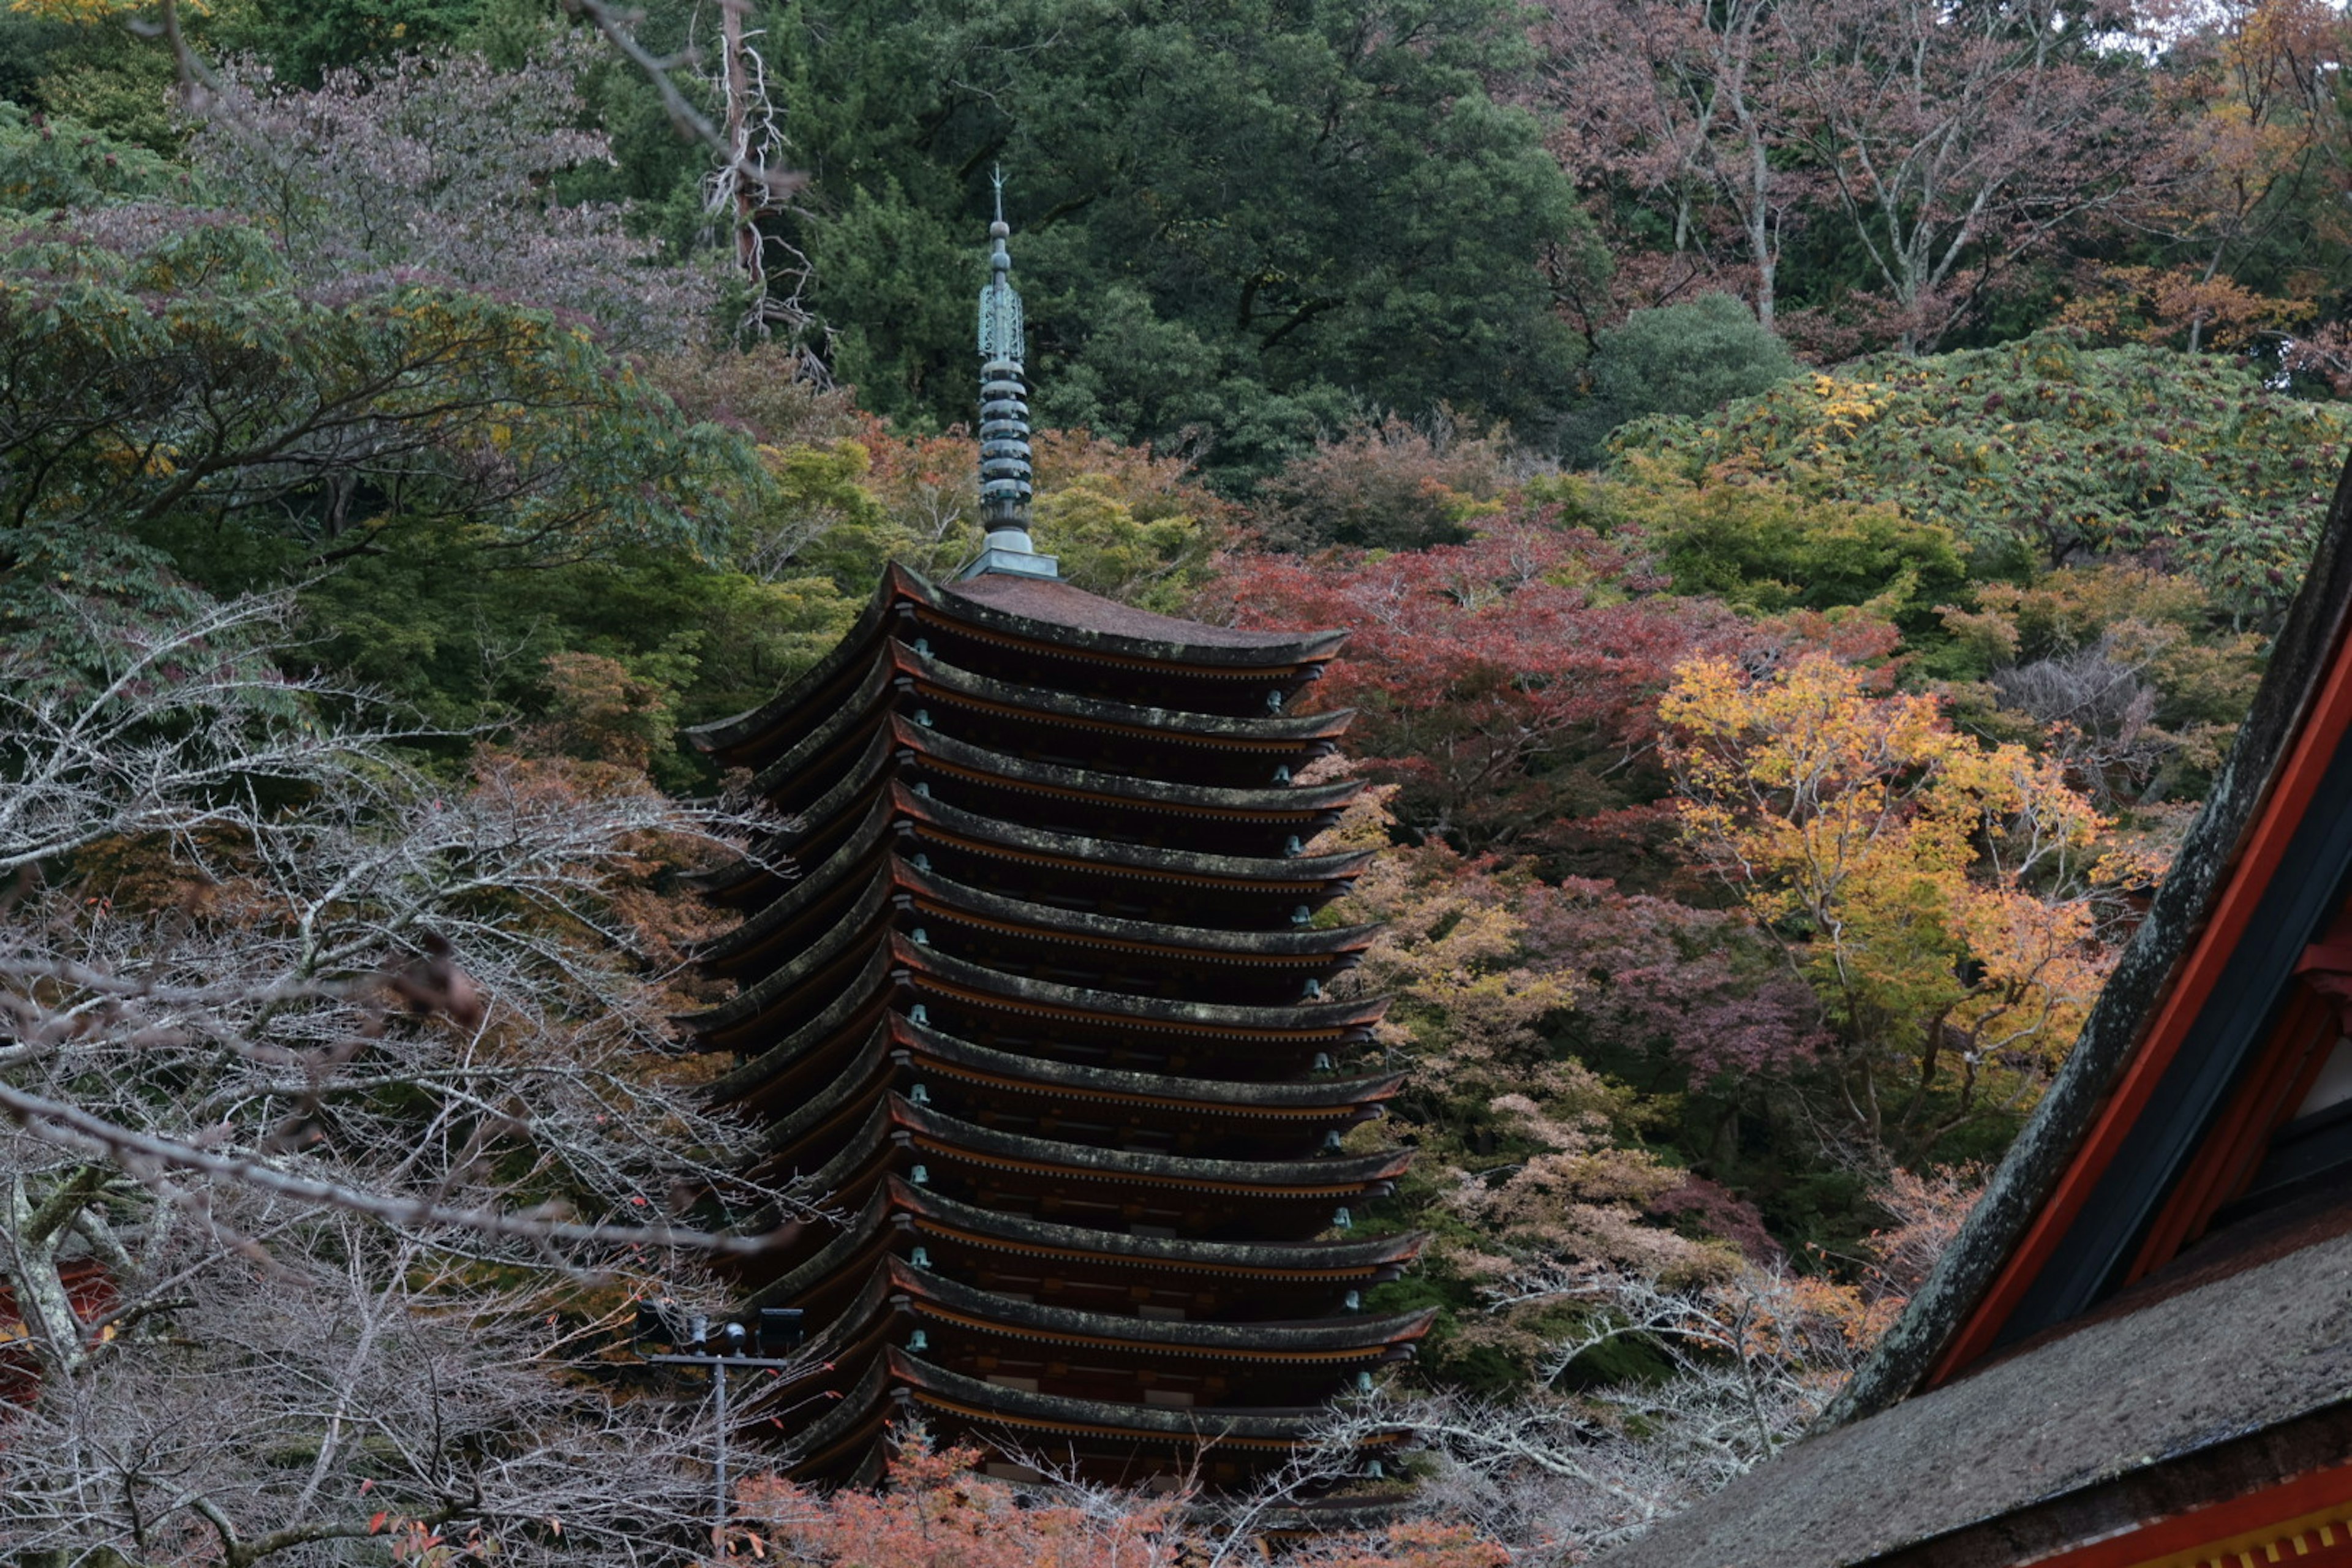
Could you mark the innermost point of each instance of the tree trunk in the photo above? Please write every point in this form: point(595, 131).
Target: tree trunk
point(739, 171)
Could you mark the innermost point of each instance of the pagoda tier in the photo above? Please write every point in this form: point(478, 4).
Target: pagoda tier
point(1031, 995)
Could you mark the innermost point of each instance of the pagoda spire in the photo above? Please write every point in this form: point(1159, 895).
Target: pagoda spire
point(1005, 474)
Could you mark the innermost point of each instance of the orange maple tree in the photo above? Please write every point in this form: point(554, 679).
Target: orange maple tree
point(1941, 894)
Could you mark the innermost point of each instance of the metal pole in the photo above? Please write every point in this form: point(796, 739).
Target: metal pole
point(719, 1377)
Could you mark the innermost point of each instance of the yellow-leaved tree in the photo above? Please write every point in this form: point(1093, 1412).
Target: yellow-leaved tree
point(1941, 894)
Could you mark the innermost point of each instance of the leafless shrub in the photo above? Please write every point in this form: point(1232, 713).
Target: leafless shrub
point(2098, 710)
point(441, 164)
point(1744, 1366)
point(336, 1121)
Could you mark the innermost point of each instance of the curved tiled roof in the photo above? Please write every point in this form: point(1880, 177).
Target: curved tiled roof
point(989, 987)
point(1338, 1259)
point(864, 991)
point(1053, 617)
point(1274, 802)
point(1300, 943)
point(869, 922)
point(1056, 609)
point(809, 889)
point(859, 1077)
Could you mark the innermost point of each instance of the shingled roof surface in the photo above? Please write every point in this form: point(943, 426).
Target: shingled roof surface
point(1060, 604)
point(2126, 1392)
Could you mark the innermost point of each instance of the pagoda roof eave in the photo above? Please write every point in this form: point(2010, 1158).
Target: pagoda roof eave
point(1241, 1426)
point(1301, 1260)
point(1223, 652)
point(1000, 1230)
point(859, 1164)
point(812, 888)
point(983, 983)
point(848, 1091)
point(858, 710)
point(1310, 1339)
point(899, 742)
point(1324, 1095)
point(866, 778)
point(1272, 1260)
point(948, 1135)
point(846, 1425)
point(978, 984)
point(856, 1329)
point(867, 1157)
point(859, 1321)
point(1110, 856)
point(858, 852)
point(1274, 801)
point(862, 783)
point(828, 1262)
point(860, 1081)
point(1083, 926)
point(838, 1015)
point(893, 665)
point(1287, 730)
point(1068, 619)
point(862, 922)
point(731, 740)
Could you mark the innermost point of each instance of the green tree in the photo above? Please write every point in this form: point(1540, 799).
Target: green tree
point(2042, 453)
point(304, 40)
point(171, 366)
point(1688, 359)
point(175, 407)
point(1768, 547)
point(1392, 485)
point(1236, 219)
point(52, 162)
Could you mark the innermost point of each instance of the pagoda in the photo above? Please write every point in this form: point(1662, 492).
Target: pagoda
point(1038, 1011)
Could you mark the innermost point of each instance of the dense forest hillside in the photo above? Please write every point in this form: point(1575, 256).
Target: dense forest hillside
point(1810, 485)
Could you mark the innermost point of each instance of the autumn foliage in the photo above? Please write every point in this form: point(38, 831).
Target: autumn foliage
point(1508, 684)
point(937, 1510)
point(1808, 486)
point(1937, 891)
